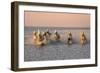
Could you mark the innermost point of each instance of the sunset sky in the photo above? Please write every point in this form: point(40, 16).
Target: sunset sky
point(48, 19)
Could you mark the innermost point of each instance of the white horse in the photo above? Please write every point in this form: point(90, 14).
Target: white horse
point(83, 39)
point(69, 40)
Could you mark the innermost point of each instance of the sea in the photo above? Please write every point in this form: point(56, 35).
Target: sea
point(56, 50)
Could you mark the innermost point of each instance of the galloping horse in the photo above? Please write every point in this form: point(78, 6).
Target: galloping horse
point(83, 39)
point(69, 40)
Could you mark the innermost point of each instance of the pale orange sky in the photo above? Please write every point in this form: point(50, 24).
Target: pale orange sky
point(47, 19)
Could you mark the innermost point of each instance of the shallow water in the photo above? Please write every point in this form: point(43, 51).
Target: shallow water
point(57, 50)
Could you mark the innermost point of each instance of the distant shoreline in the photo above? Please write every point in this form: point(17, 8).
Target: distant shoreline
point(56, 27)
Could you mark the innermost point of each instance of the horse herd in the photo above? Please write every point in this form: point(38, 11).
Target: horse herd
point(43, 38)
